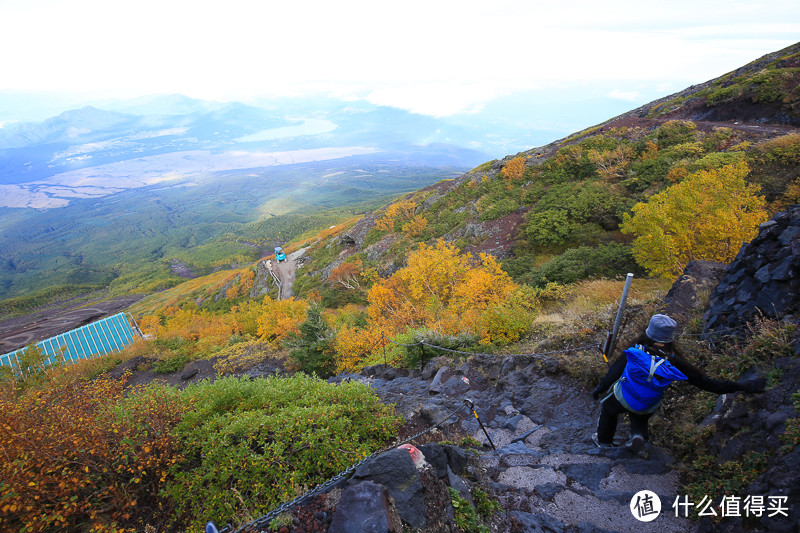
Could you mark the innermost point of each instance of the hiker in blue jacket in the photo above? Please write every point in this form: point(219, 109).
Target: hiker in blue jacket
point(638, 379)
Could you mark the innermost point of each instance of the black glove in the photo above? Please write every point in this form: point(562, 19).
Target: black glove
point(597, 392)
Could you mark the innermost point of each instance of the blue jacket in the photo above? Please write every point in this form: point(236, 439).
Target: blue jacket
point(645, 380)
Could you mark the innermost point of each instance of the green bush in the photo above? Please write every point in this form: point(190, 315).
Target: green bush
point(791, 435)
point(584, 262)
point(312, 348)
point(253, 444)
point(171, 364)
point(676, 132)
point(646, 173)
point(549, 228)
point(710, 478)
point(499, 208)
point(716, 160)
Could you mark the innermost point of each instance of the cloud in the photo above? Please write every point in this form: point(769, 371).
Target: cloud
point(630, 96)
point(430, 57)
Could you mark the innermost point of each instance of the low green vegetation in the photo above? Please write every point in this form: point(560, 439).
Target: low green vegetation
point(765, 85)
point(468, 518)
point(251, 445)
point(222, 451)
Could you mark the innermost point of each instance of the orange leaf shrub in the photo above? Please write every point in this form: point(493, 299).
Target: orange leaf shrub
point(347, 274)
point(444, 291)
point(79, 455)
point(401, 211)
point(514, 169)
point(279, 318)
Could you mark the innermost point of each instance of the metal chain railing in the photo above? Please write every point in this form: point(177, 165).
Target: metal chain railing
point(535, 354)
point(264, 521)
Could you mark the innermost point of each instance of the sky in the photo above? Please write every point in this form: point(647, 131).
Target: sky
point(433, 57)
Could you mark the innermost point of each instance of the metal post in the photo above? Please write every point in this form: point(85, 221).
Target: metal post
point(611, 340)
point(383, 338)
point(421, 357)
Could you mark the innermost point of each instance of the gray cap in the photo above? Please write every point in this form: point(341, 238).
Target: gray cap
point(661, 328)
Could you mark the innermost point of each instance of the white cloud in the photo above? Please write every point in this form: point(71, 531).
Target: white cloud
point(433, 57)
point(631, 96)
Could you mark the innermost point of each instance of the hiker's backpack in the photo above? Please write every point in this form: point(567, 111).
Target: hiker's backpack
point(645, 380)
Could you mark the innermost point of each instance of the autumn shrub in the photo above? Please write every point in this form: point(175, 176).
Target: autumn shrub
point(198, 330)
point(80, 456)
point(445, 291)
point(355, 345)
point(514, 169)
point(706, 216)
point(240, 356)
point(396, 215)
point(253, 444)
point(280, 318)
point(612, 164)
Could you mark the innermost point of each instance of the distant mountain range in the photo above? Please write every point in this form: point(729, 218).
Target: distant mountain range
point(119, 147)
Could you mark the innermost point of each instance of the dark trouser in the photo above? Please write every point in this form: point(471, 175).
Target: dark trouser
point(609, 414)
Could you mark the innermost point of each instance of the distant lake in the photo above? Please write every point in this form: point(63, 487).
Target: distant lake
point(310, 126)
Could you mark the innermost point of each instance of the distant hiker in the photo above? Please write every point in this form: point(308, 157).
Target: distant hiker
point(638, 379)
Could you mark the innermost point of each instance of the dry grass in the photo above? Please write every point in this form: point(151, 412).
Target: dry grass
point(584, 317)
point(593, 304)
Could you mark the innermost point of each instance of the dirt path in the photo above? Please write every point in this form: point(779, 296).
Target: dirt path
point(285, 270)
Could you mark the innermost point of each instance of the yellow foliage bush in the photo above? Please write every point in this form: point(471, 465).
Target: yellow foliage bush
point(514, 169)
point(279, 318)
point(446, 292)
point(415, 226)
point(706, 216)
point(401, 211)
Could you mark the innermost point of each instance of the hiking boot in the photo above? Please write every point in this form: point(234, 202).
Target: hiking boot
point(601, 444)
point(634, 443)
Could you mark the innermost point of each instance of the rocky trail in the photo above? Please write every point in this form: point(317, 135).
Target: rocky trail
point(545, 471)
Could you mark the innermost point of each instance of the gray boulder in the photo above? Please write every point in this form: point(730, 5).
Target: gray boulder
point(364, 508)
point(396, 471)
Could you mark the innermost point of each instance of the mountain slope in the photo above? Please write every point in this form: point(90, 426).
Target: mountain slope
point(553, 212)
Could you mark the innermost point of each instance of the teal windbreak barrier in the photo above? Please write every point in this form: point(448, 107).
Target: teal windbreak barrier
point(98, 338)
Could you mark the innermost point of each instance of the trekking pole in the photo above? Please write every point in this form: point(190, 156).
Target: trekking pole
point(611, 337)
point(471, 405)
